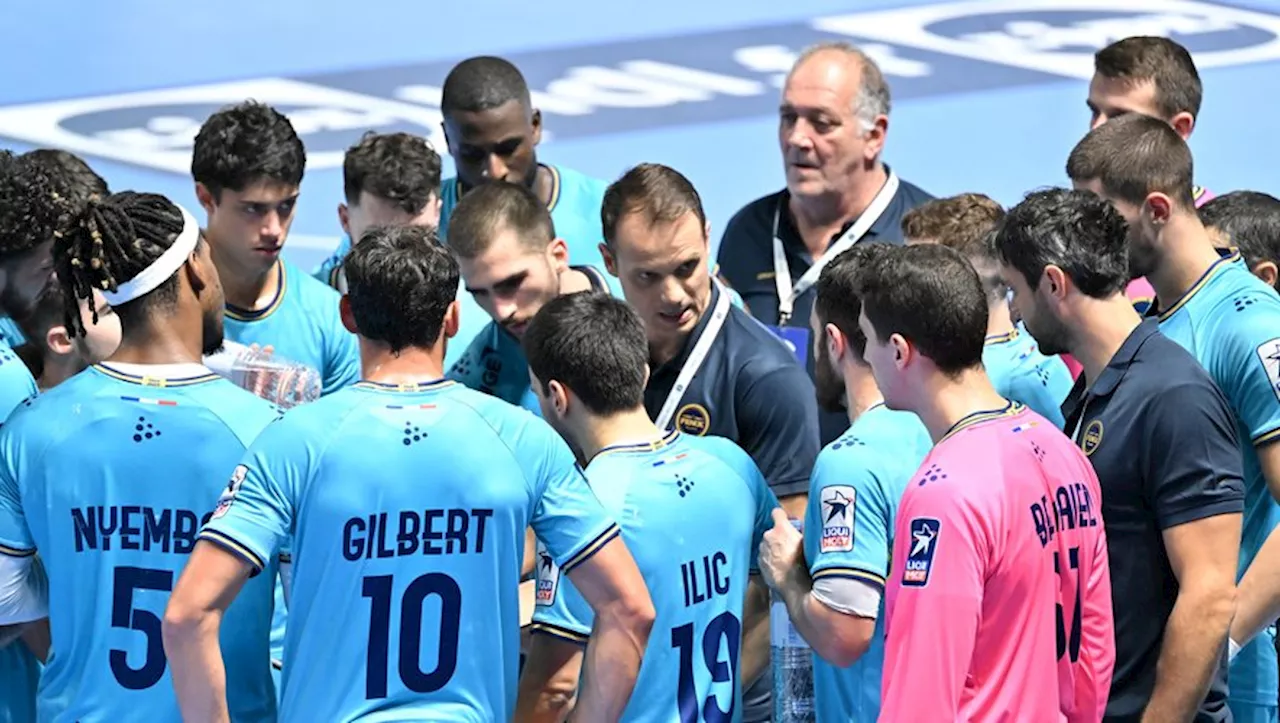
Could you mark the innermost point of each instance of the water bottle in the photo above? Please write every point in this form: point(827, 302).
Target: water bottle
point(283, 382)
point(792, 664)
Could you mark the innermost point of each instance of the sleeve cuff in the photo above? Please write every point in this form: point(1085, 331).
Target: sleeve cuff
point(555, 631)
point(850, 573)
point(234, 547)
point(1191, 514)
point(590, 549)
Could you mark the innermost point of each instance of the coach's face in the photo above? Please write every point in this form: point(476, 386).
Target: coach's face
point(1143, 252)
point(513, 278)
point(663, 272)
point(494, 144)
point(824, 143)
point(1045, 327)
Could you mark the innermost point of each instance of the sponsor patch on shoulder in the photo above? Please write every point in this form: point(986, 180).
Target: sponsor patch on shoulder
point(837, 518)
point(548, 576)
point(228, 495)
point(924, 533)
point(1269, 355)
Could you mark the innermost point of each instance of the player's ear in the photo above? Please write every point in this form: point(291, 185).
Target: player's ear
point(1268, 272)
point(344, 221)
point(559, 398)
point(558, 250)
point(610, 264)
point(58, 341)
point(452, 317)
point(875, 137)
point(1159, 206)
point(901, 350)
point(645, 383)
point(535, 121)
point(432, 211)
point(835, 341)
point(205, 197)
point(1183, 123)
point(348, 319)
point(1056, 281)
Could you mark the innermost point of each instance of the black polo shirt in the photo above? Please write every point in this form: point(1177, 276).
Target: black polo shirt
point(745, 259)
point(1162, 440)
point(751, 390)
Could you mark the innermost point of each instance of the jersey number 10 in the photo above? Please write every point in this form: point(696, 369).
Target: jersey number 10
point(378, 589)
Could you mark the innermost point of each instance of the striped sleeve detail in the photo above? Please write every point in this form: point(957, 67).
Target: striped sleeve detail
point(16, 551)
point(590, 548)
point(556, 631)
point(851, 573)
point(229, 544)
point(1266, 437)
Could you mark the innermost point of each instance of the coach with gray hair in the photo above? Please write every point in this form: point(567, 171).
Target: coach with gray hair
point(832, 123)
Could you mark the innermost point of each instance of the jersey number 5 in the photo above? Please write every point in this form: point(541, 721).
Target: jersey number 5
point(1069, 640)
point(124, 615)
point(379, 589)
point(726, 627)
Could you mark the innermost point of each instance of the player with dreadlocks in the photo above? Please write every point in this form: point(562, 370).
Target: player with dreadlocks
point(88, 472)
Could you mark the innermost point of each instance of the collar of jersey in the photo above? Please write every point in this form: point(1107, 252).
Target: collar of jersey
point(1229, 257)
point(239, 314)
point(1001, 338)
point(979, 417)
point(667, 440)
point(157, 375)
point(405, 387)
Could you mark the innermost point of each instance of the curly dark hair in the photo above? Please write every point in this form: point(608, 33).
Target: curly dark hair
point(246, 143)
point(42, 194)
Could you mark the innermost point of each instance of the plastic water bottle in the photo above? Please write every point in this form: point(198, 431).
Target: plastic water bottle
point(792, 664)
point(283, 382)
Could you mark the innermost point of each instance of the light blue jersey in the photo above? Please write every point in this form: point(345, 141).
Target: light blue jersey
point(854, 492)
point(19, 669)
point(692, 511)
point(1021, 373)
point(303, 324)
point(575, 213)
point(1230, 321)
point(10, 333)
point(327, 271)
point(407, 508)
point(108, 476)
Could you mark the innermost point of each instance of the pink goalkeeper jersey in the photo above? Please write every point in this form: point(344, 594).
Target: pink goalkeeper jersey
point(1000, 592)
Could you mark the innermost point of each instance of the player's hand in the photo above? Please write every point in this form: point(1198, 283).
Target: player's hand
point(781, 552)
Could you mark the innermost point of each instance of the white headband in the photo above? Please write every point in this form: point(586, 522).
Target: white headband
point(162, 268)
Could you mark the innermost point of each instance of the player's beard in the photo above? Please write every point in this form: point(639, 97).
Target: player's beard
point(1142, 255)
point(1051, 335)
point(212, 332)
point(827, 383)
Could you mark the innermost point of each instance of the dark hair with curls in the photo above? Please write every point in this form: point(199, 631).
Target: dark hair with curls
point(114, 240)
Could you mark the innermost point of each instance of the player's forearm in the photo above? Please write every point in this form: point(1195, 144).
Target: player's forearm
point(1258, 595)
point(755, 631)
point(195, 661)
point(1193, 640)
point(612, 662)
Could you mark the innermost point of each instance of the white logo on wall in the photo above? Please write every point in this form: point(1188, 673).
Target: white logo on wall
point(1060, 36)
point(157, 128)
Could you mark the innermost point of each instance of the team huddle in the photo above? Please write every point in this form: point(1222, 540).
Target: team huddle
point(991, 464)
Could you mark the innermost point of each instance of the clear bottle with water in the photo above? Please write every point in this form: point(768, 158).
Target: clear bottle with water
point(280, 381)
point(792, 664)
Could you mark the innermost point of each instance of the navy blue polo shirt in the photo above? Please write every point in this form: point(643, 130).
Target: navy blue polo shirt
point(745, 259)
point(1162, 440)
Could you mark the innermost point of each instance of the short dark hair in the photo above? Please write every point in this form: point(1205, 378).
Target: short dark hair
point(1250, 220)
point(399, 167)
point(113, 240)
point(1165, 64)
point(400, 282)
point(483, 83)
point(836, 301)
point(1132, 156)
point(493, 207)
point(75, 174)
point(931, 295)
point(593, 344)
point(43, 193)
point(243, 144)
point(661, 194)
point(1074, 230)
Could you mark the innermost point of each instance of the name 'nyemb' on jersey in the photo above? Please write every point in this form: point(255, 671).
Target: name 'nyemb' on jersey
point(136, 527)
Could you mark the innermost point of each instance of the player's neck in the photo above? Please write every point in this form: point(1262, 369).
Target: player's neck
point(630, 427)
point(57, 369)
point(1186, 254)
point(411, 365)
point(1110, 322)
point(178, 339)
point(946, 401)
point(860, 390)
point(572, 281)
point(999, 320)
point(820, 217)
point(248, 289)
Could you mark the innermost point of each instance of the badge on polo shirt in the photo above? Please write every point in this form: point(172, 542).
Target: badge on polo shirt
point(797, 340)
